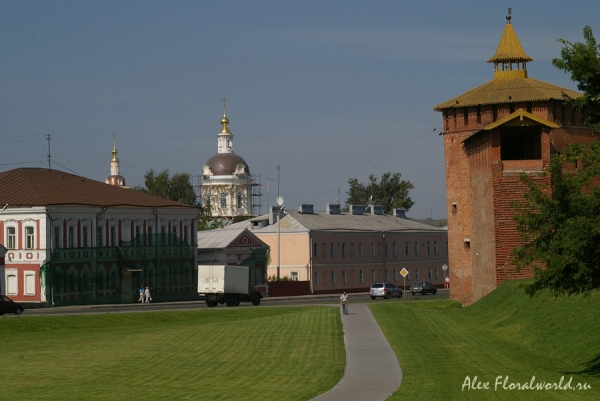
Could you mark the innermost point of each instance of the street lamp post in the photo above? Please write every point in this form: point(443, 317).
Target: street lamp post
point(445, 268)
point(268, 181)
point(281, 208)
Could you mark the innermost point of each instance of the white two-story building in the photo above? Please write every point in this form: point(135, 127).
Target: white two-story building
point(72, 240)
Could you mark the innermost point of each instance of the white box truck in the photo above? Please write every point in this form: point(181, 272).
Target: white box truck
point(230, 285)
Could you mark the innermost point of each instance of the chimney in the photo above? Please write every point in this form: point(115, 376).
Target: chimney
point(357, 210)
point(333, 208)
point(273, 214)
point(306, 208)
point(400, 213)
point(377, 210)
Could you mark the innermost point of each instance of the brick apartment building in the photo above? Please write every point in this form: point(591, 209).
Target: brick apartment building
point(493, 133)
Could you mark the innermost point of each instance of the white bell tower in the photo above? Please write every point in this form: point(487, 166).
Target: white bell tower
point(225, 137)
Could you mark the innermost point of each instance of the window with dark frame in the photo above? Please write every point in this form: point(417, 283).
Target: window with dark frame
point(29, 238)
point(11, 233)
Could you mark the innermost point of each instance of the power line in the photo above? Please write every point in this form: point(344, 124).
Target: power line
point(20, 136)
point(381, 162)
point(10, 164)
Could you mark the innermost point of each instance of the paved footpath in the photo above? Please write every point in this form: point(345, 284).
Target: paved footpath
point(372, 369)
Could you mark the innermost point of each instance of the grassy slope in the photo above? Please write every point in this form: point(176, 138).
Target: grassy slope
point(221, 354)
point(506, 333)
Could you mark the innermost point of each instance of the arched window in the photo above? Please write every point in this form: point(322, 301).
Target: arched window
point(223, 199)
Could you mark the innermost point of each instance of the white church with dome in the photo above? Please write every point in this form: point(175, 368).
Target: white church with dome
point(226, 183)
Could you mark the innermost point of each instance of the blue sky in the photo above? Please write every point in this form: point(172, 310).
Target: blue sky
point(328, 90)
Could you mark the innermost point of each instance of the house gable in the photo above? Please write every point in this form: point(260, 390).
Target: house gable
point(246, 240)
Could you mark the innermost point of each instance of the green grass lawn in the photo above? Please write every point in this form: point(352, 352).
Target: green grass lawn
point(296, 353)
point(507, 333)
point(219, 354)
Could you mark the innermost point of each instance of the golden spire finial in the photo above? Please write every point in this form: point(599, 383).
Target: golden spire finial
point(225, 120)
point(114, 151)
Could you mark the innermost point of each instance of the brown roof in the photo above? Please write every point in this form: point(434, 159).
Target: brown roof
point(513, 90)
point(43, 187)
point(225, 164)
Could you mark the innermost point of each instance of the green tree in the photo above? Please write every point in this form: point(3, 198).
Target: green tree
point(177, 187)
point(560, 225)
point(207, 221)
point(582, 60)
point(391, 192)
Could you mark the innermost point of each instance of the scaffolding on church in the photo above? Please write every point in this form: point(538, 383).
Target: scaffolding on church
point(225, 197)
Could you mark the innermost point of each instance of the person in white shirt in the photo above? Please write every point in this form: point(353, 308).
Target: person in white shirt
point(147, 294)
point(344, 302)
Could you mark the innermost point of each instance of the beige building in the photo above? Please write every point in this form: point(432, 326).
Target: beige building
point(348, 251)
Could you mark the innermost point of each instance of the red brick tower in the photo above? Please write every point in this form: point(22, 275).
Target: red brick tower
point(509, 125)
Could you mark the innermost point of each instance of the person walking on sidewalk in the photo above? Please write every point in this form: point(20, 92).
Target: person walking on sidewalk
point(142, 296)
point(344, 302)
point(147, 294)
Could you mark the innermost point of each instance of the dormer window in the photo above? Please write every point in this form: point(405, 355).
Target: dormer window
point(521, 143)
point(240, 169)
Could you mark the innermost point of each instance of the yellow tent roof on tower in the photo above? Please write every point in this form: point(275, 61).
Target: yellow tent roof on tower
point(509, 48)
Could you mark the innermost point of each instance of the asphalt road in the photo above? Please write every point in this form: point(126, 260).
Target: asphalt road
point(332, 299)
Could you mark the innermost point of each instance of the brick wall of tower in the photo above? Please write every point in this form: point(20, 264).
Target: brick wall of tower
point(480, 189)
point(507, 190)
point(458, 201)
point(479, 149)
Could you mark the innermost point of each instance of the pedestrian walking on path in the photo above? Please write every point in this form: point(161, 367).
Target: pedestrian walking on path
point(147, 294)
point(344, 302)
point(142, 296)
point(372, 369)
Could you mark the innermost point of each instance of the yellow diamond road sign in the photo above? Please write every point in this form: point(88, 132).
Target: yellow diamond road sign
point(404, 272)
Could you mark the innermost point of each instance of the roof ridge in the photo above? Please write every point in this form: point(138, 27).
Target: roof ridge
point(43, 187)
point(31, 184)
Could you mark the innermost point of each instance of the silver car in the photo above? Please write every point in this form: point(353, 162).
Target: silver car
point(385, 290)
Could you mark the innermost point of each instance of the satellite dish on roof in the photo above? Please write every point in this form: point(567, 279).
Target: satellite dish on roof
point(279, 200)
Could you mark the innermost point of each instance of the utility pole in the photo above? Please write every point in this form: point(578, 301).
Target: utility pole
point(268, 182)
point(48, 136)
point(278, 172)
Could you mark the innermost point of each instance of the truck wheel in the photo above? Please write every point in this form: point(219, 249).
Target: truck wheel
point(256, 300)
point(230, 301)
point(211, 304)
